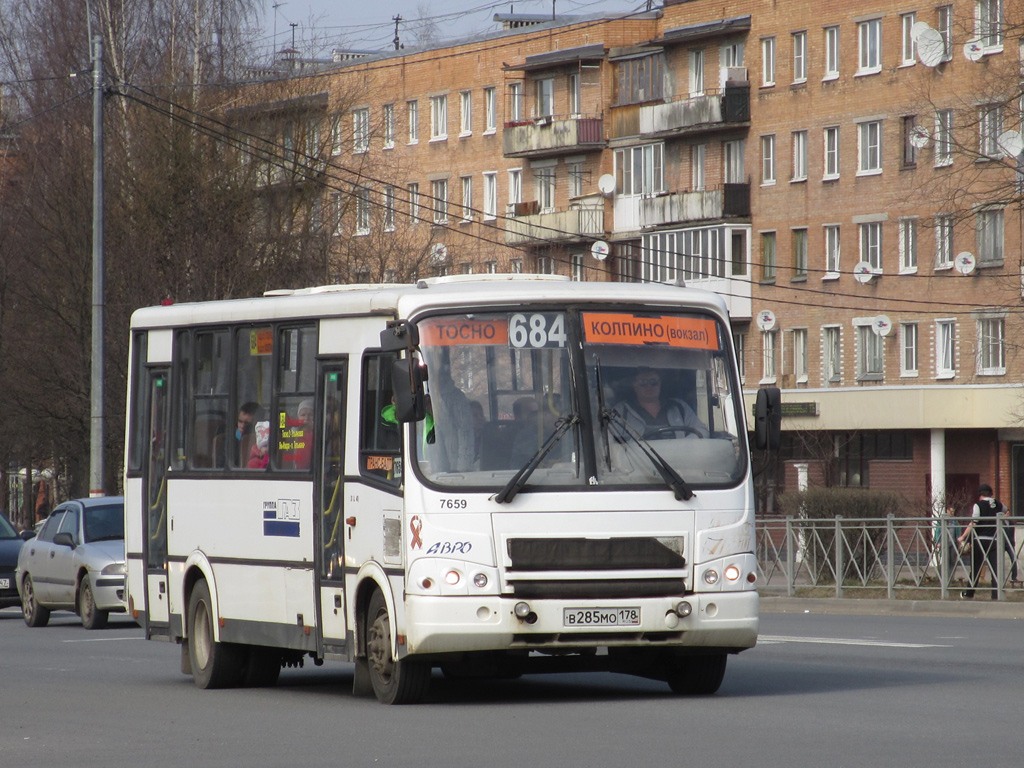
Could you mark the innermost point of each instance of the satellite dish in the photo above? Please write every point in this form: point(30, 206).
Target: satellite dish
point(438, 253)
point(973, 50)
point(600, 250)
point(606, 184)
point(931, 48)
point(917, 28)
point(863, 272)
point(765, 319)
point(1011, 143)
point(919, 137)
point(965, 262)
point(881, 325)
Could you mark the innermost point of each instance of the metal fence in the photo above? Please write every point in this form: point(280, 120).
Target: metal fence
point(899, 556)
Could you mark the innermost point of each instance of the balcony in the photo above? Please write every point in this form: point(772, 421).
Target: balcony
point(549, 136)
point(727, 201)
point(582, 222)
point(727, 108)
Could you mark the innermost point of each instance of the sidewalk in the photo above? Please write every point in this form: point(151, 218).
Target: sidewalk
point(957, 608)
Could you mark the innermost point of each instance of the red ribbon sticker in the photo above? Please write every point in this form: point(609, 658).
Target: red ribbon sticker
point(416, 525)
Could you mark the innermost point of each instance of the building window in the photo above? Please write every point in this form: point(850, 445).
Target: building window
point(799, 254)
point(769, 341)
point(990, 125)
point(989, 228)
point(337, 211)
point(490, 267)
point(639, 170)
point(943, 137)
point(908, 349)
point(336, 130)
point(698, 166)
point(575, 178)
point(869, 353)
point(799, 156)
point(362, 196)
point(871, 244)
point(735, 172)
point(908, 245)
point(545, 179)
point(639, 80)
point(908, 125)
point(466, 103)
point(696, 73)
point(831, 53)
point(768, 61)
point(800, 355)
point(869, 146)
point(799, 57)
point(467, 198)
point(490, 110)
point(576, 261)
point(767, 256)
point(515, 186)
point(908, 45)
point(389, 126)
point(490, 195)
point(992, 346)
point(831, 142)
point(831, 354)
point(389, 209)
point(438, 118)
point(412, 108)
point(945, 29)
point(943, 241)
point(545, 97)
point(739, 340)
point(515, 102)
point(515, 266)
point(988, 24)
point(360, 130)
point(574, 95)
point(869, 36)
point(768, 160)
point(831, 251)
point(945, 336)
point(439, 195)
point(414, 203)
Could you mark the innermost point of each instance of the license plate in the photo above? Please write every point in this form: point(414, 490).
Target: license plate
point(601, 617)
point(5, 583)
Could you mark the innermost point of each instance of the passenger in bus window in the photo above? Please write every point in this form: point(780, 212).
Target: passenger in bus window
point(648, 410)
point(259, 454)
point(244, 433)
point(304, 449)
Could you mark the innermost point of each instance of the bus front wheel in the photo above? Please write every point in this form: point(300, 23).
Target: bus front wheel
point(394, 681)
point(214, 665)
point(697, 675)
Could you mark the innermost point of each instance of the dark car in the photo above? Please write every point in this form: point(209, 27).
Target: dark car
point(10, 546)
point(76, 563)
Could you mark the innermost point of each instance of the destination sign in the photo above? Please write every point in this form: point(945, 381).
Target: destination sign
point(638, 330)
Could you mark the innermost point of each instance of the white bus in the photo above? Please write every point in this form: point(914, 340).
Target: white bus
point(455, 474)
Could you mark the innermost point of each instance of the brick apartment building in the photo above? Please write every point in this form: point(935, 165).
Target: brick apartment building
point(821, 166)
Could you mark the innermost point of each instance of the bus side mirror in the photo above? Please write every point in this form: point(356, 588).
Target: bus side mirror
point(407, 377)
point(768, 419)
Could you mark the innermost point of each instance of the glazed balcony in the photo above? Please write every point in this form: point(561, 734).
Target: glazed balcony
point(550, 136)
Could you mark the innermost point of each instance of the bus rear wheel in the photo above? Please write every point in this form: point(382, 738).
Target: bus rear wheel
point(394, 681)
point(214, 665)
point(697, 675)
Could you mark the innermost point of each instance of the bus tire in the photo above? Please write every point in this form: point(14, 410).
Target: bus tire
point(394, 681)
point(92, 617)
point(697, 675)
point(262, 667)
point(214, 665)
point(35, 615)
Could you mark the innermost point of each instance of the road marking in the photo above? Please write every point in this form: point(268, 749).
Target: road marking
point(768, 639)
point(102, 639)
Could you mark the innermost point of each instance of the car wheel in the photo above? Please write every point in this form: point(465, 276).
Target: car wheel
point(35, 615)
point(214, 664)
point(697, 675)
point(393, 681)
point(92, 617)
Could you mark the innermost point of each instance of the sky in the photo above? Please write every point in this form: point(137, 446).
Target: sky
point(321, 25)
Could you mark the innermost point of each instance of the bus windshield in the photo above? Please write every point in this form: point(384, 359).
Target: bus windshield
point(582, 398)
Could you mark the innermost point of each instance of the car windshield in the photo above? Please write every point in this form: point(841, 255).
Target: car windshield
point(7, 530)
point(104, 522)
point(531, 398)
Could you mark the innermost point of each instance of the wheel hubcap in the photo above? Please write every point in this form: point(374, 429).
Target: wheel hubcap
point(378, 646)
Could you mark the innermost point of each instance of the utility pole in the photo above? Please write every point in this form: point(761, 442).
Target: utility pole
point(96, 473)
point(396, 41)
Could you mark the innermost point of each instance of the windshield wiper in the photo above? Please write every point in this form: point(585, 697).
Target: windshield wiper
point(515, 485)
point(672, 478)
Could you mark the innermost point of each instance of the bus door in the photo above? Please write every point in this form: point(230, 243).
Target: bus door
point(155, 494)
point(329, 493)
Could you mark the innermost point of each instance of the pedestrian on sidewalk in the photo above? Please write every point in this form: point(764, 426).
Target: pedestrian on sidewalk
point(981, 533)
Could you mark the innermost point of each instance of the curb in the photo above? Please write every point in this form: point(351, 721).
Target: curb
point(977, 608)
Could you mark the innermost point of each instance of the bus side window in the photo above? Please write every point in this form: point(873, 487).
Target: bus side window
point(380, 434)
point(291, 426)
point(210, 398)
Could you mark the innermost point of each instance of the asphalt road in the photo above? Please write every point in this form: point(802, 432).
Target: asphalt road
point(819, 690)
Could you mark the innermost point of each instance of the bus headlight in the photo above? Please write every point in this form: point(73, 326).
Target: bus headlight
point(710, 576)
point(732, 572)
point(452, 578)
point(480, 580)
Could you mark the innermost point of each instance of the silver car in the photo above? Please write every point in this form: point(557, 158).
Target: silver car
point(76, 563)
